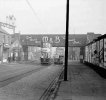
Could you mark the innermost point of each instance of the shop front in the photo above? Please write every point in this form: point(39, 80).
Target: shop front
point(16, 52)
point(5, 52)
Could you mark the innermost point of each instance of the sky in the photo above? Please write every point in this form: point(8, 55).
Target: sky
point(49, 16)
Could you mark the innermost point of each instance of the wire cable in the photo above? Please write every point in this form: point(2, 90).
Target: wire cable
point(34, 12)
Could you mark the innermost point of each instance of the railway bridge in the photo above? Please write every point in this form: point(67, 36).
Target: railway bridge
point(31, 44)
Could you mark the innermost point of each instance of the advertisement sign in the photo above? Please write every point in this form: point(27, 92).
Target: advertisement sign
point(90, 53)
point(57, 40)
point(93, 53)
point(101, 53)
point(60, 51)
point(104, 53)
point(34, 53)
point(46, 45)
point(97, 55)
point(86, 53)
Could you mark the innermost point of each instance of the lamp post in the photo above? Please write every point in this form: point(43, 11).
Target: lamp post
point(66, 41)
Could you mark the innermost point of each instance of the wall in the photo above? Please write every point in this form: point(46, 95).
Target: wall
point(5, 43)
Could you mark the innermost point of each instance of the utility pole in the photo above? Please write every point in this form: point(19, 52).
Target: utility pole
point(66, 41)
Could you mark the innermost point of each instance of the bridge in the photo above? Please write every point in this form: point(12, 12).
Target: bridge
point(31, 43)
point(57, 40)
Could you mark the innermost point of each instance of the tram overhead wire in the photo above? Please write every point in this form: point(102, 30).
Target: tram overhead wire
point(30, 6)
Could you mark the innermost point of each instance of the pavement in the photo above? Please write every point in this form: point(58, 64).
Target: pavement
point(83, 84)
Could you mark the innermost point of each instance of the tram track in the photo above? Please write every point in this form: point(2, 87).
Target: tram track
point(16, 76)
point(51, 91)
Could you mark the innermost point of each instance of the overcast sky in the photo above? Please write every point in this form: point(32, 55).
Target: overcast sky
point(49, 16)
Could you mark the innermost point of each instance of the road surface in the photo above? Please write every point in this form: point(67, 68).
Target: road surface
point(14, 85)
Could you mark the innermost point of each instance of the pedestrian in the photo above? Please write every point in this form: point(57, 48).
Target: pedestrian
point(9, 59)
point(13, 57)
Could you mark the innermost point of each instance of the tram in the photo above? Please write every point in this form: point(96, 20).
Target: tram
point(59, 60)
point(46, 54)
point(59, 56)
point(45, 58)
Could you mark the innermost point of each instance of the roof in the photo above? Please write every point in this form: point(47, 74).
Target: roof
point(91, 37)
point(3, 31)
point(16, 44)
point(101, 37)
point(97, 38)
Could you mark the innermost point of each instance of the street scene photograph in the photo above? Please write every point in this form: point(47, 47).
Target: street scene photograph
point(52, 50)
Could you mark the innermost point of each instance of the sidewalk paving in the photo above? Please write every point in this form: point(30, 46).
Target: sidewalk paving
point(83, 84)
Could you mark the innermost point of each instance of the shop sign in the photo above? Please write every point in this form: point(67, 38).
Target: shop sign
point(55, 40)
point(101, 51)
point(46, 39)
point(51, 40)
point(6, 45)
point(46, 45)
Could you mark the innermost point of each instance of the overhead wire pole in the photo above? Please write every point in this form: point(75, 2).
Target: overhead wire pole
point(66, 41)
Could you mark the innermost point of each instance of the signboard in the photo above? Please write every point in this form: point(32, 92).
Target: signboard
point(86, 54)
point(104, 53)
point(101, 53)
point(46, 45)
point(56, 40)
point(97, 55)
point(60, 51)
point(90, 53)
point(93, 53)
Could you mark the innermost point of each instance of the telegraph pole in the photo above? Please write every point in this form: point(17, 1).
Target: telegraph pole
point(66, 41)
